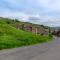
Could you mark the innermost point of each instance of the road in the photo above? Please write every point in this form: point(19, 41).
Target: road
point(44, 51)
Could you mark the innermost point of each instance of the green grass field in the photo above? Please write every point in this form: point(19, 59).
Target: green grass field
point(10, 37)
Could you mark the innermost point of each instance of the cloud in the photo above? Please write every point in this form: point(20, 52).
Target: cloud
point(44, 11)
point(13, 14)
point(11, 1)
point(51, 5)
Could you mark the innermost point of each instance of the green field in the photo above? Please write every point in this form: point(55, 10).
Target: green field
point(10, 37)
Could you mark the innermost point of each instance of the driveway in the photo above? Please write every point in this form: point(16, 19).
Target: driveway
point(44, 51)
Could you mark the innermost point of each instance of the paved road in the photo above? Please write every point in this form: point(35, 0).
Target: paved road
point(45, 51)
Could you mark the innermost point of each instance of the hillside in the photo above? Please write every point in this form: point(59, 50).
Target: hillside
point(26, 26)
point(11, 37)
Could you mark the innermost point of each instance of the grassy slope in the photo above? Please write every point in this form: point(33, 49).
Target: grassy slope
point(10, 37)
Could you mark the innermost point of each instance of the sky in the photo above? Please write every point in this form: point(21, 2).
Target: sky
point(45, 12)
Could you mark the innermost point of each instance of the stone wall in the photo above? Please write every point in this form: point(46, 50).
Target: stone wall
point(33, 29)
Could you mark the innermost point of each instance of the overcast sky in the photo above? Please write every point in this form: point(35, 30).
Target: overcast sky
point(46, 12)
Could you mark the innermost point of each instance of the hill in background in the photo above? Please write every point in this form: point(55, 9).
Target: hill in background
point(11, 36)
point(26, 26)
